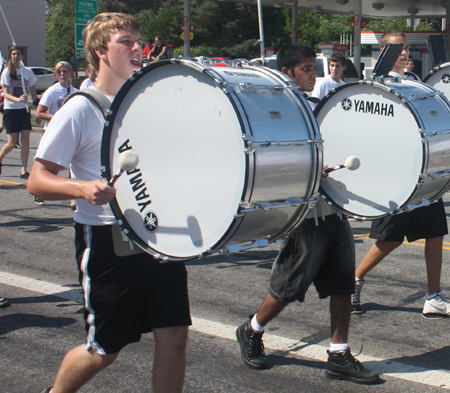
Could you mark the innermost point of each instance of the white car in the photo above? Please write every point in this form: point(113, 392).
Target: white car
point(350, 73)
point(44, 78)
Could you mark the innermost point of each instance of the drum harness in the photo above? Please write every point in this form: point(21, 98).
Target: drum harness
point(123, 246)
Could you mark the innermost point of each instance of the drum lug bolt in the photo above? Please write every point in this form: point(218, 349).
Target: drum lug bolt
point(243, 204)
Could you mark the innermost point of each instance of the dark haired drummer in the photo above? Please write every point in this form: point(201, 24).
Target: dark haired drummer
point(320, 250)
point(124, 296)
point(429, 223)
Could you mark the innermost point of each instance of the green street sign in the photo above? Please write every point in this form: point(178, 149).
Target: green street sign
point(79, 36)
point(85, 10)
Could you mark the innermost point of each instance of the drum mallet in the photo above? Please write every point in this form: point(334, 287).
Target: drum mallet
point(352, 163)
point(128, 160)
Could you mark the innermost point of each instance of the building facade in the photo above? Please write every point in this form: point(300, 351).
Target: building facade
point(26, 20)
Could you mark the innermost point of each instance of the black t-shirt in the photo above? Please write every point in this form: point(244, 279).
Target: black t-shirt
point(158, 50)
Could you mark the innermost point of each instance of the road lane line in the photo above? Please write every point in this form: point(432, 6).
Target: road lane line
point(12, 183)
point(358, 234)
point(437, 378)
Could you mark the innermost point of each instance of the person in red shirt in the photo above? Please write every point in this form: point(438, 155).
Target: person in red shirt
point(147, 49)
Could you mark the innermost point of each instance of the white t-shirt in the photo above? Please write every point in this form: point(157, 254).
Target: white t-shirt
point(54, 97)
point(73, 140)
point(321, 208)
point(16, 86)
point(86, 83)
point(324, 86)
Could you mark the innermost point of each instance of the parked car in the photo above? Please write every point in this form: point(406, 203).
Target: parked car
point(44, 78)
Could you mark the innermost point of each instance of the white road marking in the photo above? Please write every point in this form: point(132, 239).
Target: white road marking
point(437, 378)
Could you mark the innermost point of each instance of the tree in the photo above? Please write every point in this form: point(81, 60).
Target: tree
point(221, 28)
point(60, 30)
point(164, 22)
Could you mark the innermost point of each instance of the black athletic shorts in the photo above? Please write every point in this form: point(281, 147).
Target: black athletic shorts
point(16, 120)
point(425, 222)
point(126, 296)
point(323, 254)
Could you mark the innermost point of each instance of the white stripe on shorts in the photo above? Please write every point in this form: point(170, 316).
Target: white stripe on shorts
point(86, 284)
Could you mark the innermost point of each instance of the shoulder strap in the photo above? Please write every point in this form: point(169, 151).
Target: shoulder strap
point(314, 100)
point(95, 96)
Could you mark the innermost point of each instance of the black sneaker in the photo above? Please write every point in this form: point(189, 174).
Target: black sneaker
point(342, 365)
point(252, 347)
point(48, 390)
point(356, 298)
point(24, 175)
point(4, 302)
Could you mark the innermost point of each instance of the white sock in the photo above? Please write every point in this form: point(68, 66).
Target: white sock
point(338, 347)
point(432, 296)
point(255, 325)
point(358, 279)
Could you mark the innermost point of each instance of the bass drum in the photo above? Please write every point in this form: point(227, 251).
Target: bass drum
point(439, 78)
point(229, 158)
point(399, 129)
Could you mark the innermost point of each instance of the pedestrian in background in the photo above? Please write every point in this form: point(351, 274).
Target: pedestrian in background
point(16, 114)
point(53, 99)
point(74, 64)
point(92, 77)
point(159, 51)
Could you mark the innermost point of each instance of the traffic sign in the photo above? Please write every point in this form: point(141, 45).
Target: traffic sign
point(191, 27)
point(191, 35)
point(79, 36)
point(363, 24)
point(85, 10)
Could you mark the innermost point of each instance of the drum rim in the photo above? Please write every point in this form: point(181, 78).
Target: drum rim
point(436, 69)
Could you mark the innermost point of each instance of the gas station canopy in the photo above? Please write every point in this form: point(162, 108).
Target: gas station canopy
point(376, 9)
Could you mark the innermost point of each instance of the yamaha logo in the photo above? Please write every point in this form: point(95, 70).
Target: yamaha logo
point(151, 221)
point(346, 104)
point(446, 78)
point(372, 107)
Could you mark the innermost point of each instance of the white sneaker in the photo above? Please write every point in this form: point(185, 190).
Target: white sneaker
point(38, 201)
point(436, 308)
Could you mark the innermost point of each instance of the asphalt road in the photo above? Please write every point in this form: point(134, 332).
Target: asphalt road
point(38, 274)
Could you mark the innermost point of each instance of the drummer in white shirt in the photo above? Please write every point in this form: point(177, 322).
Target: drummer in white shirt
point(428, 222)
point(337, 66)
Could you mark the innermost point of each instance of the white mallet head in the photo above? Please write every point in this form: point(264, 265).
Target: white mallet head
point(128, 160)
point(352, 163)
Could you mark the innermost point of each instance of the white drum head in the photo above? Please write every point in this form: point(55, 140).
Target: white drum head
point(440, 79)
point(185, 193)
point(373, 124)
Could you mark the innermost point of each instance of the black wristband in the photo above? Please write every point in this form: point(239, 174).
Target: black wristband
point(36, 102)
